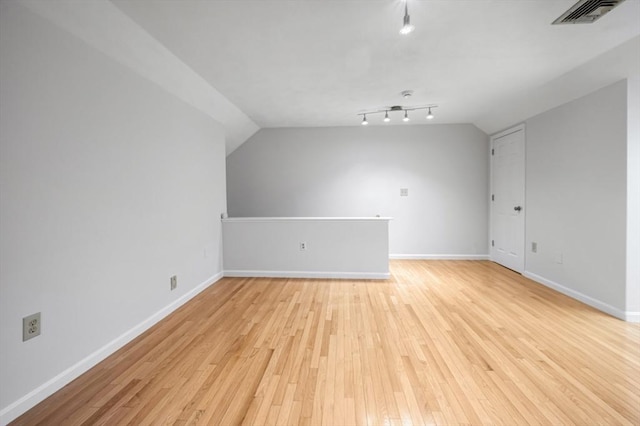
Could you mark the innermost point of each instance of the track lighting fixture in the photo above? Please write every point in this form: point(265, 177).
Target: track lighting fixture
point(406, 22)
point(387, 110)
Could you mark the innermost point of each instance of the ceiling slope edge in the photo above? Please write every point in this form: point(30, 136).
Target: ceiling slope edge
point(104, 27)
point(617, 64)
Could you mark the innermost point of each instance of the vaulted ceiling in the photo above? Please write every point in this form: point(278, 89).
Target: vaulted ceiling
point(320, 62)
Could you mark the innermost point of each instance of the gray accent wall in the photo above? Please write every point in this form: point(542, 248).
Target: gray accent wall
point(359, 171)
point(109, 185)
point(576, 195)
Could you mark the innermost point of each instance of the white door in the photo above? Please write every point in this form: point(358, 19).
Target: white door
point(507, 198)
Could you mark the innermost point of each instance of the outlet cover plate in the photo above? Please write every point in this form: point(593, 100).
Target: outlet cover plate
point(31, 326)
point(174, 282)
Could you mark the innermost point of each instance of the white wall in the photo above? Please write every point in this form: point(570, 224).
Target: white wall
point(334, 247)
point(576, 196)
point(109, 185)
point(103, 26)
point(358, 171)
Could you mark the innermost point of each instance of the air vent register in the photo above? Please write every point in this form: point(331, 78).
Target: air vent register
point(587, 11)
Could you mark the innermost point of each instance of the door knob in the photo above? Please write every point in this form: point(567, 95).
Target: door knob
point(517, 208)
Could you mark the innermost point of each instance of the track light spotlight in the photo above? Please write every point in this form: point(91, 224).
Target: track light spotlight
point(406, 116)
point(364, 120)
point(429, 115)
point(386, 117)
point(406, 22)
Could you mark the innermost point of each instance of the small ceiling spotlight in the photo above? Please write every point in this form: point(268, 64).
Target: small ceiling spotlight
point(429, 114)
point(406, 22)
point(391, 109)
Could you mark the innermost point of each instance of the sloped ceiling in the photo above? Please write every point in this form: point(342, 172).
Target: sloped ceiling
point(320, 62)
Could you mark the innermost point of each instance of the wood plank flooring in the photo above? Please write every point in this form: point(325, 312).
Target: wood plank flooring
point(442, 342)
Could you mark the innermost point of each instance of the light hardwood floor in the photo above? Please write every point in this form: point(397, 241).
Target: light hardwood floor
point(442, 342)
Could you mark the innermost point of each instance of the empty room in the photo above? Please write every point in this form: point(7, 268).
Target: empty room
point(331, 212)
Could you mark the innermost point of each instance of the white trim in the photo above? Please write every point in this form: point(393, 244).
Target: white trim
point(632, 316)
point(508, 131)
point(305, 219)
point(633, 198)
point(28, 401)
point(588, 300)
point(441, 256)
point(309, 274)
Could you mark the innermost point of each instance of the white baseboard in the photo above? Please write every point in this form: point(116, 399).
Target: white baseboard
point(43, 391)
point(309, 274)
point(588, 300)
point(632, 316)
point(440, 256)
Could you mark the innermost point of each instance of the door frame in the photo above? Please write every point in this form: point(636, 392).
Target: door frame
point(492, 138)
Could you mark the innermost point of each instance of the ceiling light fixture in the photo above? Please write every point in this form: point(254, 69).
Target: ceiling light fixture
point(386, 110)
point(406, 22)
point(429, 114)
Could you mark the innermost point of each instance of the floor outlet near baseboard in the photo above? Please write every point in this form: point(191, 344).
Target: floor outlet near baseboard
point(174, 282)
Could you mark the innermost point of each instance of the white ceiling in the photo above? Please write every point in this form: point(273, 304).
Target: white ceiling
point(320, 62)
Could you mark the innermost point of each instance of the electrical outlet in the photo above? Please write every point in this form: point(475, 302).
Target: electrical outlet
point(404, 192)
point(303, 246)
point(534, 247)
point(31, 326)
point(174, 282)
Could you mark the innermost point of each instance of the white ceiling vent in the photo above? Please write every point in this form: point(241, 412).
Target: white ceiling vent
point(586, 11)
